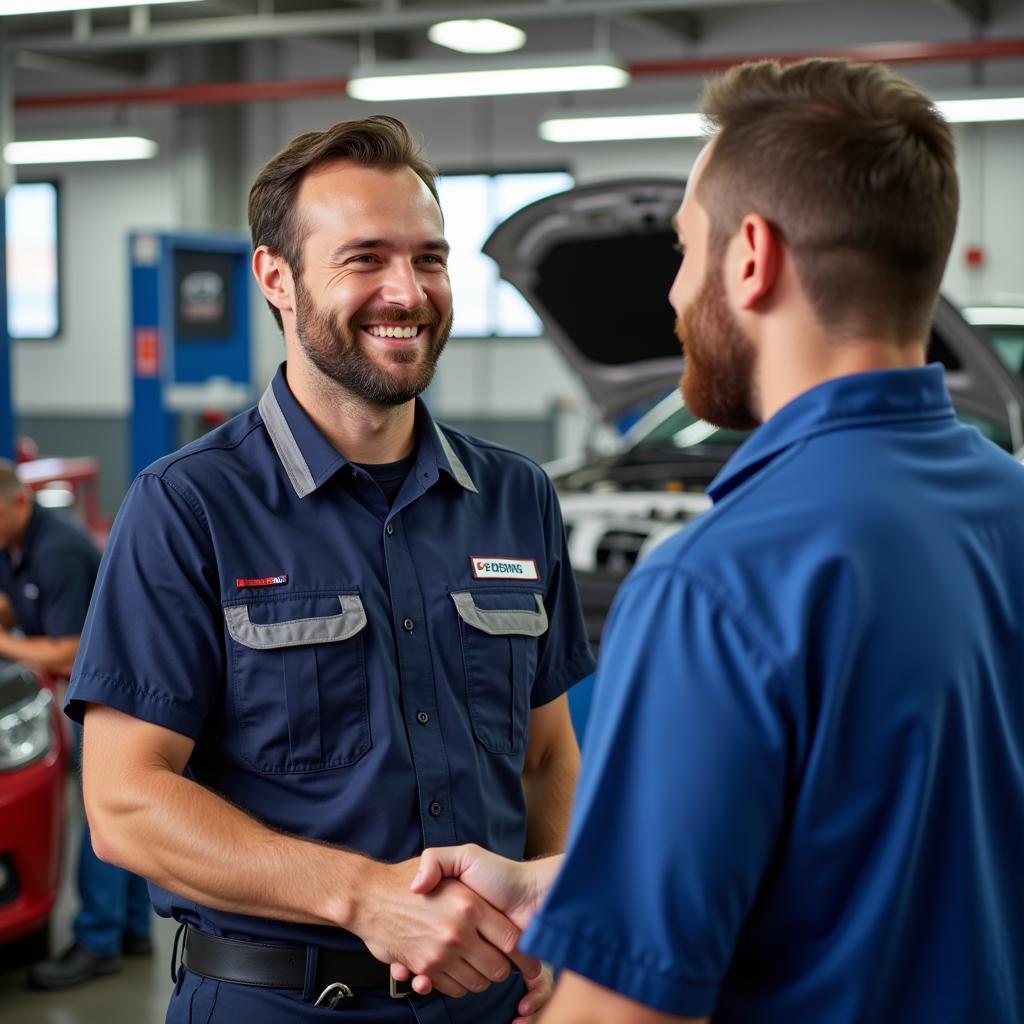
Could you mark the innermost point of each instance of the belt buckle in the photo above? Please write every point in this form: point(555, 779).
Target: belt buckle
point(393, 990)
point(333, 994)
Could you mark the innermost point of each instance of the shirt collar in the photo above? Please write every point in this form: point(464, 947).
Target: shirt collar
point(859, 399)
point(310, 459)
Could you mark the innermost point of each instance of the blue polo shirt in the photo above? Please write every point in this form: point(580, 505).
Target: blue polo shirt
point(802, 797)
point(351, 670)
point(50, 580)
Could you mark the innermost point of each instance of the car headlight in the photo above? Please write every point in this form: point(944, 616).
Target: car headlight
point(26, 731)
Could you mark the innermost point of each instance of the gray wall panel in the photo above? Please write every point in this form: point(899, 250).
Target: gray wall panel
point(103, 437)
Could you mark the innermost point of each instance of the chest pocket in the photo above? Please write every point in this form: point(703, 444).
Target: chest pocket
point(299, 681)
point(499, 632)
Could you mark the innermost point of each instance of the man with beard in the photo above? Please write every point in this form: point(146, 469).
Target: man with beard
point(802, 798)
point(332, 632)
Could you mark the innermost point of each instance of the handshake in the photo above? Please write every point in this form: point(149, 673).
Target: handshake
point(479, 936)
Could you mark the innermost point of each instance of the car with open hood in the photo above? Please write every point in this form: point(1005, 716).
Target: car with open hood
point(596, 263)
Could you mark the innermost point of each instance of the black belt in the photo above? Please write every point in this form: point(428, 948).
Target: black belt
point(336, 975)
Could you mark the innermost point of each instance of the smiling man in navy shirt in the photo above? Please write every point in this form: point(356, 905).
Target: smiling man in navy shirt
point(802, 796)
point(332, 632)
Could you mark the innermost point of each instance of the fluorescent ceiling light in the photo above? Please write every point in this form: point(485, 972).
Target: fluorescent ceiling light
point(477, 35)
point(407, 80)
point(71, 151)
point(610, 127)
point(975, 111)
point(996, 316)
point(8, 7)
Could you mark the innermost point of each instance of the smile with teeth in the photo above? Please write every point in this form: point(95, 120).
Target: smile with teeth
point(392, 331)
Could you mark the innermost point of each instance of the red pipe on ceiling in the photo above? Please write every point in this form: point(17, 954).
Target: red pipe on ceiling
point(248, 92)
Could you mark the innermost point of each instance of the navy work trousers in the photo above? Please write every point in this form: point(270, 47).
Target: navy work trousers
point(198, 1000)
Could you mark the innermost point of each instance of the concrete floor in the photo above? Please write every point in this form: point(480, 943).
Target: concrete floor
point(136, 995)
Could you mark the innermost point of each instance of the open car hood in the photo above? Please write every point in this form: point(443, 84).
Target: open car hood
point(596, 263)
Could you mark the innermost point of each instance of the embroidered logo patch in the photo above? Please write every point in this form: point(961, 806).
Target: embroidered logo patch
point(263, 581)
point(494, 567)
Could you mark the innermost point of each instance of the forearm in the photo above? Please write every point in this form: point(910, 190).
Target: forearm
point(54, 655)
point(194, 843)
point(549, 791)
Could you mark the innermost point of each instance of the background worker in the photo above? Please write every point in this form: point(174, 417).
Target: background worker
point(47, 571)
point(332, 632)
point(802, 796)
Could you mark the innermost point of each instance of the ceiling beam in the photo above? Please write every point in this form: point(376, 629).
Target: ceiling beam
point(978, 12)
point(682, 25)
point(390, 16)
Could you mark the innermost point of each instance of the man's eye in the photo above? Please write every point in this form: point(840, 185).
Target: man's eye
point(433, 258)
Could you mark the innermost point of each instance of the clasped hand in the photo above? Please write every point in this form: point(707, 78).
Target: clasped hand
point(504, 886)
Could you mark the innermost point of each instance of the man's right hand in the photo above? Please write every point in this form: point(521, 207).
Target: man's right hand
point(450, 934)
point(516, 889)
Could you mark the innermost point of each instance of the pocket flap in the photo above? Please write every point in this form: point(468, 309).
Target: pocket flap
point(501, 621)
point(323, 629)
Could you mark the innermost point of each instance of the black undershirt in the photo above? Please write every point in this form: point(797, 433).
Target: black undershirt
point(389, 476)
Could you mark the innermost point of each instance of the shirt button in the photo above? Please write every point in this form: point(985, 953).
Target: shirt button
point(435, 808)
point(408, 625)
point(422, 717)
point(389, 529)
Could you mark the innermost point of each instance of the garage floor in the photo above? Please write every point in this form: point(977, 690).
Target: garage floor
point(137, 995)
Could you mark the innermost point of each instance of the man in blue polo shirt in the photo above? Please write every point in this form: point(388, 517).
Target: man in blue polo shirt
point(802, 797)
point(332, 632)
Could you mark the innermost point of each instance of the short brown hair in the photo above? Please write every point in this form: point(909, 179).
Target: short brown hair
point(376, 141)
point(855, 168)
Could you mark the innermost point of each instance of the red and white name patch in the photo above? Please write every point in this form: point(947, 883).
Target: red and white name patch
point(263, 581)
point(494, 567)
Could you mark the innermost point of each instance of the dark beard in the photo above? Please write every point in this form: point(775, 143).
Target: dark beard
point(335, 351)
point(718, 375)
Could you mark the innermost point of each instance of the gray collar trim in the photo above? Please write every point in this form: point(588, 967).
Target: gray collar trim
point(285, 444)
point(455, 462)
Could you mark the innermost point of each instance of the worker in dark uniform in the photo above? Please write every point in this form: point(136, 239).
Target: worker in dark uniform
point(47, 571)
point(332, 632)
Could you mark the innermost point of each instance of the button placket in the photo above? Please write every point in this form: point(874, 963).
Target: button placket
point(418, 693)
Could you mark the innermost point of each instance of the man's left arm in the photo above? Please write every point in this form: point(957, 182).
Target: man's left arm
point(54, 654)
point(579, 1001)
point(549, 777)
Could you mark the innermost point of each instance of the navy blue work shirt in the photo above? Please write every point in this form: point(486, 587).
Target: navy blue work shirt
point(50, 580)
point(802, 796)
point(351, 670)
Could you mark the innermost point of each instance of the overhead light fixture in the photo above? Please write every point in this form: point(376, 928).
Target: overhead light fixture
point(408, 80)
point(996, 316)
point(9, 7)
point(72, 151)
point(614, 127)
point(477, 35)
point(978, 110)
point(585, 126)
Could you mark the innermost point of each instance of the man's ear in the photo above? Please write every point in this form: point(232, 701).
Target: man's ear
point(758, 259)
point(274, 277)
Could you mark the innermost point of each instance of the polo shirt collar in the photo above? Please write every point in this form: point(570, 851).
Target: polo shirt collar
point(860, 399)
point(310, 459)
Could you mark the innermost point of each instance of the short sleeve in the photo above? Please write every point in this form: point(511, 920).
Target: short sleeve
point(564, 656)
point(153, 643)
point(65, 586)
point(679, 801)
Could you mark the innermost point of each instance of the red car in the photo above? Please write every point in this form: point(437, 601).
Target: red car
point(35, 742)
point(34, 745)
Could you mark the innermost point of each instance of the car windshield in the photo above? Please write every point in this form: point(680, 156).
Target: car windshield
point(671, 424)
